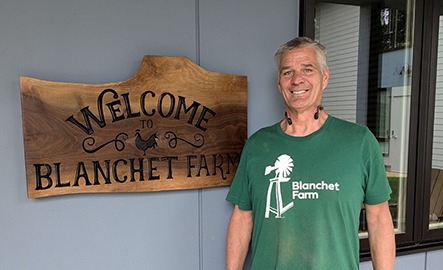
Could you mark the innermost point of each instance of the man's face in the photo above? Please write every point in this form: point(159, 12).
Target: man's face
point(300, 79)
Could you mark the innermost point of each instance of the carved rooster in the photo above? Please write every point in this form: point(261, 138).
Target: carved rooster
point(143, 144)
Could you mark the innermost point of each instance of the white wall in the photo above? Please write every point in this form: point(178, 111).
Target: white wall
point(421, 261)
point(104, 41)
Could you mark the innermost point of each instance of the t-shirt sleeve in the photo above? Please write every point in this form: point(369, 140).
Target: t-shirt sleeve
point(377, 189)
point(239, 191)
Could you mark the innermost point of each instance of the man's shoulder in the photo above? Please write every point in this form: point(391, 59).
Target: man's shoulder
point(264, 132)
point(345, 126)
point(352, 134)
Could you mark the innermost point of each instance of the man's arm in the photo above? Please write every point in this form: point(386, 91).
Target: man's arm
point(381, 236)
point(239, 237)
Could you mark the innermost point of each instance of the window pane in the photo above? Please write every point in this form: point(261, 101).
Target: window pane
point(436, 198)
point(370, 61)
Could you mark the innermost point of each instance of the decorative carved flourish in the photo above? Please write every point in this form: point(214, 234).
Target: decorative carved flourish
point(172, 137)
point(119, 143)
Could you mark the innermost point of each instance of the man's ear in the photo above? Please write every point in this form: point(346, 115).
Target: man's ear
point(325, 79)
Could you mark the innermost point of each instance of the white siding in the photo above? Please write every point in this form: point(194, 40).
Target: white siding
point(437, 158)
point(338, 29)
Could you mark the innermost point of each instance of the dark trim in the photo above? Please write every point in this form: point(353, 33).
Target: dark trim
point(307, 19)
point(418, 118)
point(413, 249)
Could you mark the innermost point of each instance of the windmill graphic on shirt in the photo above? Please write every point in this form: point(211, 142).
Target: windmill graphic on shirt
point(282, 168)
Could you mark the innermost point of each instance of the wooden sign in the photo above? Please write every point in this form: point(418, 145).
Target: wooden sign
point(172, 126)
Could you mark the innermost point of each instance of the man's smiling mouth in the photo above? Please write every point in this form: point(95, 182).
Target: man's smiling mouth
point(298, 92)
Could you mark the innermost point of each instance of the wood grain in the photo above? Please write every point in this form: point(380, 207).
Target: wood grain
point(173, 125)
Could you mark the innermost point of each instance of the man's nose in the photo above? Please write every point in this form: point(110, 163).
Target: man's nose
point(297, 78)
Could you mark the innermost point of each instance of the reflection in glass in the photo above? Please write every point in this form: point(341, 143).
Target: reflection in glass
point(436, 198)
point(370, 60)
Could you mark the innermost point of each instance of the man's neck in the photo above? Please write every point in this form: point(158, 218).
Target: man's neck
point(303, 124)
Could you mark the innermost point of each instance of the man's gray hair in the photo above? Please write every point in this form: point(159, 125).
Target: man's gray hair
point(303, 42)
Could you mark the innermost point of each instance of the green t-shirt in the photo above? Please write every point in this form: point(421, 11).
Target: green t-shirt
point(306, 193)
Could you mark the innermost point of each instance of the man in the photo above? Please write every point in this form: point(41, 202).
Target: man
point(300, 184)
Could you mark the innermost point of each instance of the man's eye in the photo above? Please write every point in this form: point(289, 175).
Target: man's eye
point(287, 73)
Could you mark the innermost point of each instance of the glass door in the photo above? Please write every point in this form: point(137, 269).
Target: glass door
point(370, 59)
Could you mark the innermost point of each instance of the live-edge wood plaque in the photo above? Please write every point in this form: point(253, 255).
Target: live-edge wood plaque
point(172, 126)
